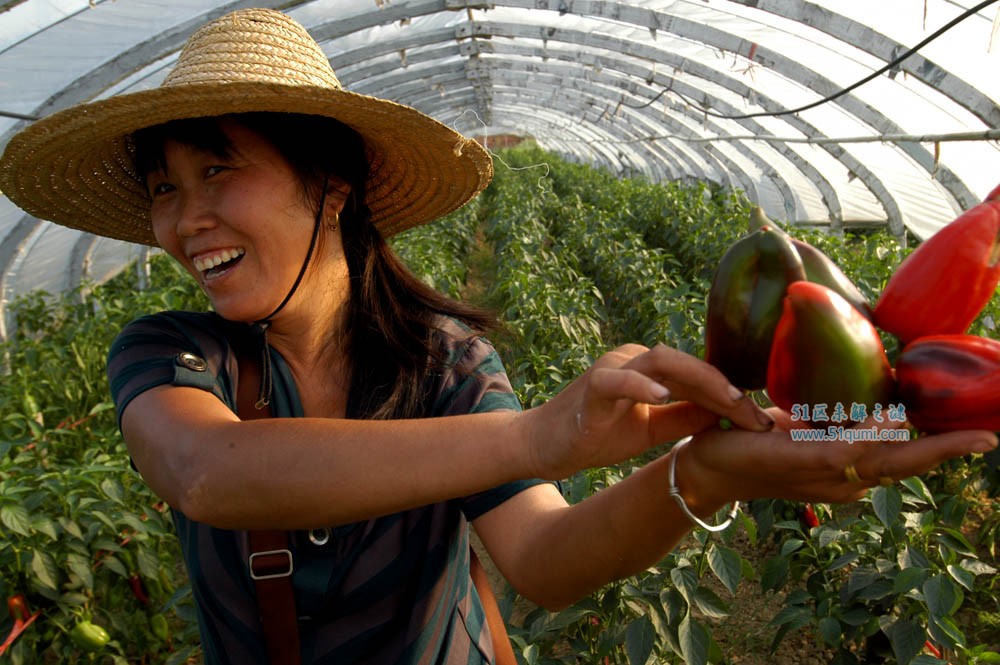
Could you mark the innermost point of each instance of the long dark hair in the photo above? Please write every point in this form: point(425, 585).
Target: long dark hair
point(391, 351)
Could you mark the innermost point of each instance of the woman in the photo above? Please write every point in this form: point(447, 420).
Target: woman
point(392, 423)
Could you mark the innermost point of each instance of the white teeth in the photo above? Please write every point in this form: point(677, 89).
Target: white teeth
point(208, 262)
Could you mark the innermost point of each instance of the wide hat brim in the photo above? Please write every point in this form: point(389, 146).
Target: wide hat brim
point(75, 167)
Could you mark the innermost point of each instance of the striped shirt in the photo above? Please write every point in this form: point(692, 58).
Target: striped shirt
point(394, 589)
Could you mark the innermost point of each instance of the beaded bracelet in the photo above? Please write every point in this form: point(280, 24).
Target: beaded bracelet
point(676, 493)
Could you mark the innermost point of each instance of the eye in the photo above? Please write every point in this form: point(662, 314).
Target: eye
point(159, 188)
point(214, 170)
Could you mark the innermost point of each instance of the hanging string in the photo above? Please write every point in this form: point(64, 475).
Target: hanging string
point(497, 157)
point(260, 327)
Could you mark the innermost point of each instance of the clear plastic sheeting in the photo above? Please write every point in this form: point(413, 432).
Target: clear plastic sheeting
point(749, 94)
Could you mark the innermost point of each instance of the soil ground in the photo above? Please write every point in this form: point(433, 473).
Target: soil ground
point(744, 636)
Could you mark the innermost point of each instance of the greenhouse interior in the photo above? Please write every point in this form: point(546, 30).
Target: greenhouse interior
point(873, 121)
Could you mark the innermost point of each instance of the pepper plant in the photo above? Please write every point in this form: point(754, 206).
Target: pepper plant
point(576, 261)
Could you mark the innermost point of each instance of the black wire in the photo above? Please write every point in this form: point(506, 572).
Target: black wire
point(889, 65)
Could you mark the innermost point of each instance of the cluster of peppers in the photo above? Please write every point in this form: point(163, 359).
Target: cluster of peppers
point(783, 316)
point(85, 634)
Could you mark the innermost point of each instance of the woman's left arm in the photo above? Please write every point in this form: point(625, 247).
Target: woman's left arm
point(555, 554)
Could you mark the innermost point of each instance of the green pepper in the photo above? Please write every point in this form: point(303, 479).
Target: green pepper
point(950, 382)
point(826, 352)
point(819, 267)
point(89, 636)
point(744, 304)
point(943, 285)
point(160, 627)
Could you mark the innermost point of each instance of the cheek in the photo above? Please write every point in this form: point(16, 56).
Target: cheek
point(166, 237)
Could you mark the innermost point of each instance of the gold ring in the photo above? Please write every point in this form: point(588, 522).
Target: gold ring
point(851, 474)
point(886, 481)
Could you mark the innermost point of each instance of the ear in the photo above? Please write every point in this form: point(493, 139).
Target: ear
point(337, 192)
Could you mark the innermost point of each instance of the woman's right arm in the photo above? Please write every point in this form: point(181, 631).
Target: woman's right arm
point(307, 472)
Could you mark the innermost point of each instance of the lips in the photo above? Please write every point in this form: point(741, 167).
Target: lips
point(216, 261)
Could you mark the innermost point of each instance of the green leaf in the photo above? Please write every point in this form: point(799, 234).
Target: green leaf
point(17, 519)
point(942, 595)
point(907, 639)
point(962, 576)
point(79, 565)
point(726, 565)
point(45, 570)
point(774, 573)
point(113, 489)
point(843, 561)
point(947, 632)
point(72, 528)
point(860, 578)
point(115, 565)
point(977, 567)
point(795, 615)
point(919, 489)
point(825, 535)
point(686, 581)
point(830, 630)
point(562, 619)
point(956, 541)
point(693, 640)
point(791, 545)
point(925, 659)
point(908, 578)
point(639, 640)
point(887, 502)
point(709, 603)
point(856, 616)
point(44, 525)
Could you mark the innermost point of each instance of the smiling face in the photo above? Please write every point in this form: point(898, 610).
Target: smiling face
point(236, 217)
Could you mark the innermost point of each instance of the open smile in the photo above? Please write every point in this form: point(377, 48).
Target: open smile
point(214, 263)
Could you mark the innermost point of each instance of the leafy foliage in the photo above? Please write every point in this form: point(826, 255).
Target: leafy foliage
point(576, 261)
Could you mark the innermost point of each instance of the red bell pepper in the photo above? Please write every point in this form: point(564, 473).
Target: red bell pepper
point(826, 352)
point(950, 382)
point(943, 285)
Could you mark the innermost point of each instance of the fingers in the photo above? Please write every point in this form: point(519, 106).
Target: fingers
point(679, 419)
point(883, 464)
point(694, 380)
point(635, 374)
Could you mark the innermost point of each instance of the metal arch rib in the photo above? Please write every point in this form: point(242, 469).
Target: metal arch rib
point(655, 20)
point(863, 37)
point(93, 83)
point(381, 77)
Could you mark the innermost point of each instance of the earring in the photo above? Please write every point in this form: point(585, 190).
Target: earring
point(332, 225)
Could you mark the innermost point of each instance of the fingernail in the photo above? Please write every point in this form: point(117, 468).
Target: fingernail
point(736, 393)
point(660, 392)
point(985, 445)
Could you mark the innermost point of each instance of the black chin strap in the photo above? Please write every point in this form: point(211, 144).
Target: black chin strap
point(260, 327)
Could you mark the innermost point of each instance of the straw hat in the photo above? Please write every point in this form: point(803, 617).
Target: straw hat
point(75, 167)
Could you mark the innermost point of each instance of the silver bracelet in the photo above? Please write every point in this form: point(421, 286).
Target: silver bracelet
point(676, 493)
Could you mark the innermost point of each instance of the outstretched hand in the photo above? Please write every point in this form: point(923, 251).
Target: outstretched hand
point(631, 399)
point(722, 466)
point(634, 398)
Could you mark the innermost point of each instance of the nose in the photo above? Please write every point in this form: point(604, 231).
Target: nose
point(194, 213)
